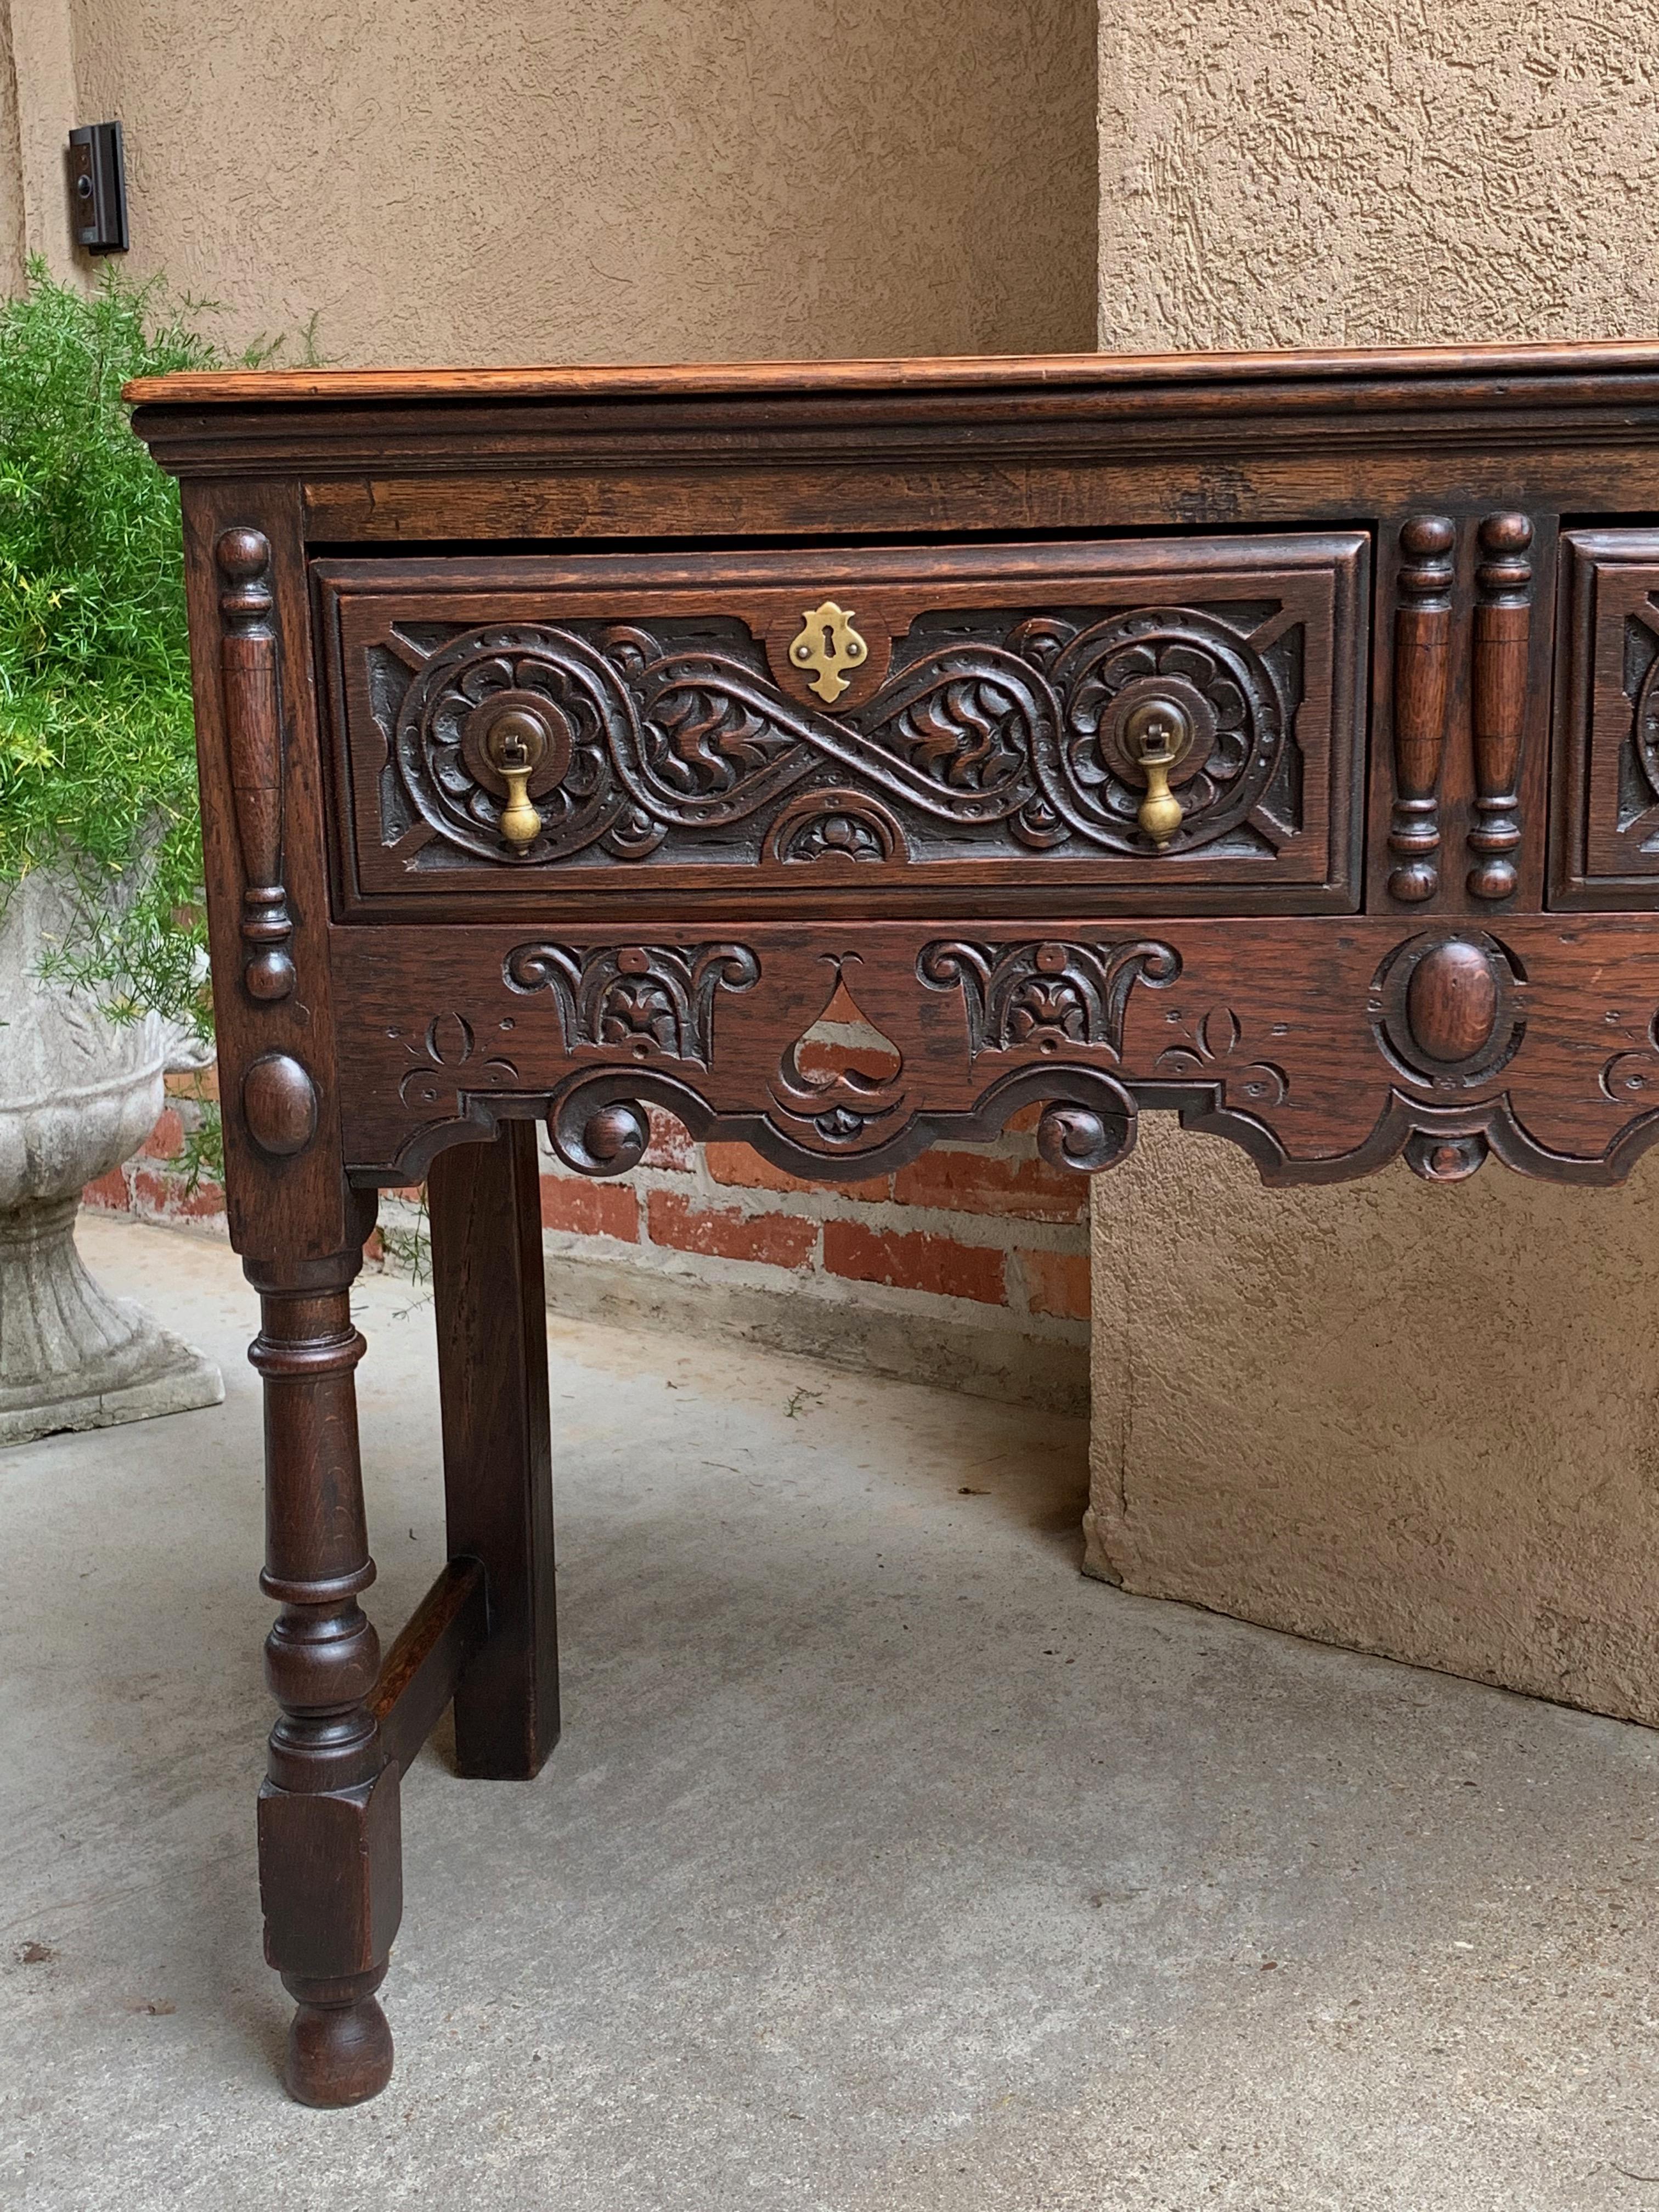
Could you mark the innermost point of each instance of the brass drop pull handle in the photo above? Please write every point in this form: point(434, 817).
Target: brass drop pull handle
point(516, 742)
point(1157, 732)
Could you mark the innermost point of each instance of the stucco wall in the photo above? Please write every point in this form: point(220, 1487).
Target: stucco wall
point(1419, 1421)
point(527, 180)
point(37, 111)
point(589, 180)
point(1360, 172)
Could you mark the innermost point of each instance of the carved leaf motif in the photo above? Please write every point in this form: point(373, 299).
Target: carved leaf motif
point(1007, 737)
point(957, 734)
point(700, 739)
point(1039, 1009)
point(75, 1023)
point(1043, 996)
point(649, 999)
point(627, 1011)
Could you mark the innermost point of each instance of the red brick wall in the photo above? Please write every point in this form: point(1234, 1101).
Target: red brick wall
point(994, 1224)
point(156, 1182)
point(968, 1267)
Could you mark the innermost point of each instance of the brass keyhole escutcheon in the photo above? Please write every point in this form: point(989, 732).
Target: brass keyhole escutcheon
point(828, 644)
point(515, 744)
point(1156, 733)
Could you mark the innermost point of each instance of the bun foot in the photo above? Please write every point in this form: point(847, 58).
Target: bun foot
point(339, 2046)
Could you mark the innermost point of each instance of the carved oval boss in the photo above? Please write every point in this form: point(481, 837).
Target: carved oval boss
point(279, 1104)
point(1451, 1003)
point(1448, 1008)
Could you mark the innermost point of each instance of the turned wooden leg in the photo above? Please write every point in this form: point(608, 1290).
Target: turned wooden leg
point(484, 1202)
point(330, 1875)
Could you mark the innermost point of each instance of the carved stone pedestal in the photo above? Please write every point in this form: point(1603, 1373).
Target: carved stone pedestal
point(78, 1094)
point(71, 1356)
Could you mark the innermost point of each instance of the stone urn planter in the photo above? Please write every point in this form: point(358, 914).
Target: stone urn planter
point(78, 1095)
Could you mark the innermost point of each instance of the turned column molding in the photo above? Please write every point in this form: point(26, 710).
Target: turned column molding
point(331, 1790)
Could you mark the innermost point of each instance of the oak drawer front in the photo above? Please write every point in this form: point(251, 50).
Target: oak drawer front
point(1607, 750)
point(865, 731)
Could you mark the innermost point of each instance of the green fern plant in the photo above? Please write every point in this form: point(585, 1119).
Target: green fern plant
point(97, 756)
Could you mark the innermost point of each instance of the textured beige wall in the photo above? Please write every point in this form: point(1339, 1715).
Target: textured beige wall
point(581, 180)
point(1360, 172)
point(13, 240)
point(37, 112)
point(1417, 1421)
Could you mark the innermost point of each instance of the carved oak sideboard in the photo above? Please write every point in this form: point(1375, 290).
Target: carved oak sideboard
point(1273, 739)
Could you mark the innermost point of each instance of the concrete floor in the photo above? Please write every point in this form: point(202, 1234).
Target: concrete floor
point(886, 1862)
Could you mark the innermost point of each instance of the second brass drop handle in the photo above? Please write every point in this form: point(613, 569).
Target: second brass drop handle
point(1156, 733)
point(515, 744)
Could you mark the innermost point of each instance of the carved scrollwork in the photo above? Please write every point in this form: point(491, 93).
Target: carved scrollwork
point(1325, 1049)
point(1441, 1144)
point(1633, 1074)
point(1048, 996)
point(1235, 703)
point(660, 737)
point(1077, 1138)
point(598, 1124)
point(609, 1141)
point(652, 1002)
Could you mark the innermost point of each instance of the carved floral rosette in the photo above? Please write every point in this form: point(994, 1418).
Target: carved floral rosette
point(988, 733)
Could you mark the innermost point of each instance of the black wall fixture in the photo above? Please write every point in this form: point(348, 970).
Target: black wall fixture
point(98, 188)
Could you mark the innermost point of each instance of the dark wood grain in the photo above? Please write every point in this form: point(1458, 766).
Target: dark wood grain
point(484, 1201)
point(1278, 1020)
point(330, 1873)
point(253, 730)
point(441, 1637)
point(292, 1204)
point(1422, 673)
point(1500, 361)
point(1442, 946)
point(1503, 629)
point(1102, 477)
point(995, 734)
